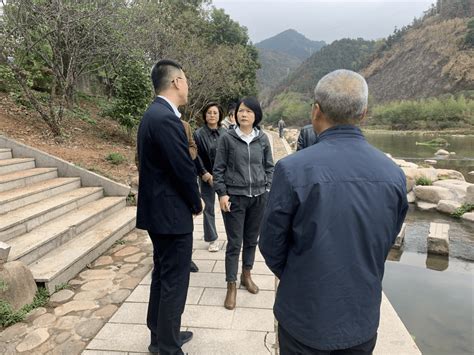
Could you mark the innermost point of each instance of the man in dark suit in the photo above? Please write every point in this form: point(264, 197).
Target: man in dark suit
point(168, 199)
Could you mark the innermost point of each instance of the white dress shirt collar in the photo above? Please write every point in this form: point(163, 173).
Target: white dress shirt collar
point(246, 137)
point(175, 109)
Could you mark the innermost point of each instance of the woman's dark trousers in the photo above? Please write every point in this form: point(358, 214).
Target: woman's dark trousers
point(242, 225)
point(168, 290)
point(209, 196)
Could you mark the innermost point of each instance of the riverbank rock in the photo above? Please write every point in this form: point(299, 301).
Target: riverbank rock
point(449, 174)
point(416, 173)
point(411, 198)
point(469, 216)
point(458, 187)
point(433, 194)
point(470, 194)
point(405, 164)
point(442, 152)
point(447, 206)
point(426, 206)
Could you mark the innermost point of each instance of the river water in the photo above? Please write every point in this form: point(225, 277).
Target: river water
point(434, 296)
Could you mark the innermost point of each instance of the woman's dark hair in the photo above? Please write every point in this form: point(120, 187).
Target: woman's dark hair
point(219, 108)
point(252, 103)
point(231, 108)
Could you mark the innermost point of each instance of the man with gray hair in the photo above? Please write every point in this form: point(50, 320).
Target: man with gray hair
point(334, 211)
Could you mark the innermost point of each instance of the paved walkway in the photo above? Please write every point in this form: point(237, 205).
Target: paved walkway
point(249, 329)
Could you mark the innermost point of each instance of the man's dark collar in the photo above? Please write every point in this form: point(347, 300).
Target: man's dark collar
point(346, 130)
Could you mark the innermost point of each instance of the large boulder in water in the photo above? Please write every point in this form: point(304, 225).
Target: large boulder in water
point(433, 194)
point(458, 187)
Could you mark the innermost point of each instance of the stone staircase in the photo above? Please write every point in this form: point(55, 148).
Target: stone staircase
point(54, 225)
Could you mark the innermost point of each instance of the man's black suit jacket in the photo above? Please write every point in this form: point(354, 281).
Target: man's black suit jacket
point(168, 194)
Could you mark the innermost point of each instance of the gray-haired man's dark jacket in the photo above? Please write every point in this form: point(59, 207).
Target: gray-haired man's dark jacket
point(332, 215)
point(306, 138)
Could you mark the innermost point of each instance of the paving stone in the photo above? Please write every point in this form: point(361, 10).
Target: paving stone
point(70, 347)
point(207, 279)
point(103, 260)
point(35, 313)
point(44, 320)
point(130, 283)
point(140, 272)
point(87, 314)
point(98, 274)
point(60, 297)
point(134, 258)
point(131, 237)
point(194, 294)
point(147, 261)
point(76, 282)
point(147, 279)
point(125, 269)
point(203, 245)
point(253, 319)
point(106, 311)
point(90, 295)
point(14, 332)
point(226, 342)
point(97, 285)
point(116, 248)
point(131, 313)
point(216, 297)
point(74, 306)
point(205, 255)
point(122, 337)
point(33, 340)
point(205, 265)
point(88, 328)
point(100, 352)
point(67, 322)
point(62, 337)
point(129, 250)
point(120, 295)
point(207, 317)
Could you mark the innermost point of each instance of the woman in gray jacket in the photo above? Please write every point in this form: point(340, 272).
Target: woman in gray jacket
point(243, 171)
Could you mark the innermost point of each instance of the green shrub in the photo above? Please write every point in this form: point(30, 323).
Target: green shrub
point(433, 113)
point(423, 181)
point(467, 207)
point(9, 316)
point(115, 158)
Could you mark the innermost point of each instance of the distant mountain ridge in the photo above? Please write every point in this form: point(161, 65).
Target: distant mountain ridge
point(280, 55)
point(291, 43)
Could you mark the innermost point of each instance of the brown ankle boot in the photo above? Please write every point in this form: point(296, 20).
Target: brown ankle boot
point(247, 282)
point(231, 295)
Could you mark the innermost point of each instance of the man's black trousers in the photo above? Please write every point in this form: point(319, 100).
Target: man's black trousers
point(168, 290)
point(291, 346)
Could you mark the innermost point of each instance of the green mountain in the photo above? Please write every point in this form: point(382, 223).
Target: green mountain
point(291, 43)
point(346, 53)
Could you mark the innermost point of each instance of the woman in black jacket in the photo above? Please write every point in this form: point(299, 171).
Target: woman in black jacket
point(206, 139)
point(243, 172)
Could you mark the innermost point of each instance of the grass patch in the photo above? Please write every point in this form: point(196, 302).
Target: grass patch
point(467, 207)
point(8, 316)
point(119, 242)
point(62, 286)
point(437, 142)
point(115, 158)
point(423, 181)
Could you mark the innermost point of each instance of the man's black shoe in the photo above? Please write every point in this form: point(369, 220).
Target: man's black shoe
point(185, 337)
point(194, 267)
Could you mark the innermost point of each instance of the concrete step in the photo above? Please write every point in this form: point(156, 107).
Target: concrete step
point(20, 197)
point(5, 153)
point(23, 220)
point(24, 178)
point(66, 261)
point(16, 164)
point(31, 246)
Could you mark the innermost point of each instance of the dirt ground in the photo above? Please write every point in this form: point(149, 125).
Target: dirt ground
point(85, 144)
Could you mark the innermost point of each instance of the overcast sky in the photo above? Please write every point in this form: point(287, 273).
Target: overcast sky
point(323, 20)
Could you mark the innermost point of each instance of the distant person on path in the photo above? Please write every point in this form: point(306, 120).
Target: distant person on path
point(243, 173)
point(281, 127)
point(229, 120)
point(168, 199)
point(206, 139)
point(306, 138)
point(332, 215)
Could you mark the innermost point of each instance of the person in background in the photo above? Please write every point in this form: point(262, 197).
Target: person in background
point(168, 199)
point(206, 139)
point(229, 121)
point(281, 127)
point(332, 215)
point(243, 172)
point(306, 138)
